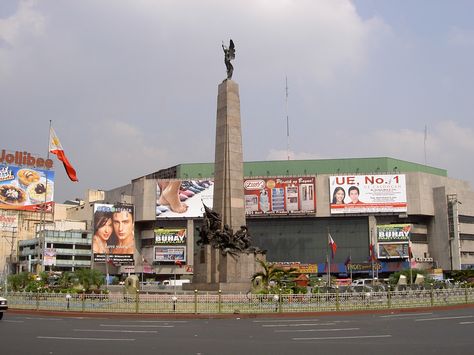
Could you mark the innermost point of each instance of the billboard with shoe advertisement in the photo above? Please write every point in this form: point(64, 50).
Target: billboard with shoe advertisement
point(263, 196)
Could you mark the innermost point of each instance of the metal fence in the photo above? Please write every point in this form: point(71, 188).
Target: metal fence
point(212, 303)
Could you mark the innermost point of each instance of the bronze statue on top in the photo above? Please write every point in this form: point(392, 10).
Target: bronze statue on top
point(229, 54)
point(224, 238)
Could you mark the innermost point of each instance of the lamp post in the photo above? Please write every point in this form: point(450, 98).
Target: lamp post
point(174, 299)
point(68, 299)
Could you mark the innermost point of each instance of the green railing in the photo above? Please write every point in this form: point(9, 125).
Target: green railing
point(213, 303)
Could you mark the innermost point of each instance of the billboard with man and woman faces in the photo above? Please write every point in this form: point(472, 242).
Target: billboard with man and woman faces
point(114, 236)
point(367, 194)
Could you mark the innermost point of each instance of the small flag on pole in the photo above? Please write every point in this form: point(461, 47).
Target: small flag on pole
point(348, 260)
point(178, 262)
point(372, 256)
point(56, 148)
point(332, 245)
point(410, 253)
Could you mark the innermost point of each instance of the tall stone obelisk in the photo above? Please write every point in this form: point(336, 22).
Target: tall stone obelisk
point(228, 167)
point(215, 266)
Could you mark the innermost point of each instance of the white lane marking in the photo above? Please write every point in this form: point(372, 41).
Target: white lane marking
point(296, 325)
point(14, 321)
point(466, 322)
point(159, 321)
point(136, 326)
point(35, 318)
point(286, 320)
point(315, 330)
point(442, 318)
point(115, 331)
point(89, 318)
point(97, 339)
point(353, 337)
point(405, 315)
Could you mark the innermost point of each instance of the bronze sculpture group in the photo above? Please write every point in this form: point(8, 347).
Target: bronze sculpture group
point(222, 237)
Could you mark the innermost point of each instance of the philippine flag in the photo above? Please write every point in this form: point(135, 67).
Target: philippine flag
point(332, 245)
point(56, 148)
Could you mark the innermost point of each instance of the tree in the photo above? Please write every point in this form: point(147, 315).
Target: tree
point(89, 278)
point(269, 274)
point(18, 282)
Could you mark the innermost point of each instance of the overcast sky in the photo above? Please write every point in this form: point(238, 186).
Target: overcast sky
point(131, 85)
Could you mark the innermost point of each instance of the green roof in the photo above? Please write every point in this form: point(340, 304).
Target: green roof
point(312, 167)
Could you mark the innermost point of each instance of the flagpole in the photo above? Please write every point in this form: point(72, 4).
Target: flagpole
point(43, 208)
point(409, 261)
point(350, 262)
point(328, 260)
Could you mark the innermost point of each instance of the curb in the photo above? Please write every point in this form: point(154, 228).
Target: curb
point(73, 314)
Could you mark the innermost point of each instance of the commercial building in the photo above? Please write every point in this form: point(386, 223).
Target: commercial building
point(407, 207)
point(57, 247)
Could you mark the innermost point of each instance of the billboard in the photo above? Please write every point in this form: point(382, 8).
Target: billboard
point(49, 257)
point(280, 195)
point(394, 232)
point(25, 188)
point(393, 250)
point(170, 236)
point(367, 194)
point(183, 198)
point(8, 220)
point(114, 235)
point(170, 254)
point(270, 195)
point(297, 266)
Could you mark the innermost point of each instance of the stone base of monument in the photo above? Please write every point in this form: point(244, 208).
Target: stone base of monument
point(214, 271)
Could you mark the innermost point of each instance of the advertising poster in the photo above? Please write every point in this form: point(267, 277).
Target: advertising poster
point(394, 232)
point(298, 267)
point(183, 198)
point(49, 257)
point(367, 194)
point(280, 195)
point(25, 188)
point(170, 236)
point(170, 254)
point(8, 221)
point(393, 250)
point(114, 235)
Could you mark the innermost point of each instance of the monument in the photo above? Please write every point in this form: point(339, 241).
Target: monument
point(225, 259)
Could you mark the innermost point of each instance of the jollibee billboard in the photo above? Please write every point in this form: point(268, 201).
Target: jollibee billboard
point(280, 195)
point(367, 193)
point(26, 188)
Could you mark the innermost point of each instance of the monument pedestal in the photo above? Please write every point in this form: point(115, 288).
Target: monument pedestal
point(214, 271)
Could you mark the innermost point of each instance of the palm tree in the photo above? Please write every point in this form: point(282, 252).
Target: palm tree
point(89, 277)
point(271, 273)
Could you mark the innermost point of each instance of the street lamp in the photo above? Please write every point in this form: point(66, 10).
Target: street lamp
point(174, 299)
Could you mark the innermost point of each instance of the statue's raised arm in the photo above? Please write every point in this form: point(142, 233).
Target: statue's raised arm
point(229, 54)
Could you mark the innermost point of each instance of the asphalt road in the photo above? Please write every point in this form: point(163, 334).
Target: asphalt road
point(423, 332)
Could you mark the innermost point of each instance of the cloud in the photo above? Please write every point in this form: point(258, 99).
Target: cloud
point(275, 154)
point(461, 37)
point(448, 146)
point(25, 22)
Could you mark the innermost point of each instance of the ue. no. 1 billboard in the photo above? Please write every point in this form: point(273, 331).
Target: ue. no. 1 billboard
point(367, 193)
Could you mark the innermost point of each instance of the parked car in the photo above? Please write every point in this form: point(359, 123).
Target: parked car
point(3, 306)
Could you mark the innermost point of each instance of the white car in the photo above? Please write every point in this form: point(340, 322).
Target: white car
point(3, 306)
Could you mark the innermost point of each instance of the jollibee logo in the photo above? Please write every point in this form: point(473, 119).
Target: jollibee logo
point(254, 184)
